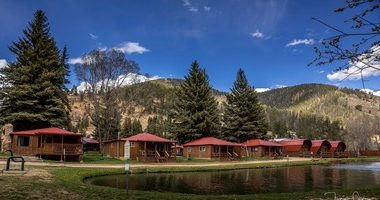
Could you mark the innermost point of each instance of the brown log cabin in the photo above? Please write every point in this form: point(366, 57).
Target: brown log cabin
point(296, 147)
point(212, 148)
point(143, 147)
point(262, 148)
point(48, 143)
point(338, 149)
point(320, 148)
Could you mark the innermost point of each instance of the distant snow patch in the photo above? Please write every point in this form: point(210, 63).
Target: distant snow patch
point(123, 80)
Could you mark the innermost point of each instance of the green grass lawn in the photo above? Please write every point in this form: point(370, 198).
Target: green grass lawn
point(67, 183)
point(95, 157)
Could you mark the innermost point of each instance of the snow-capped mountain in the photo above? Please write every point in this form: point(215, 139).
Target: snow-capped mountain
point(123, 80)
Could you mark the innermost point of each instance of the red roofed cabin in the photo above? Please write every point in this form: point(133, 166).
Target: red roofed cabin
point(142, 147)
point(320, 147)
point(296, 147)
point(49, 143)
point(261, 148)
point(337, 148)
point(212, 148)
point(90, 144)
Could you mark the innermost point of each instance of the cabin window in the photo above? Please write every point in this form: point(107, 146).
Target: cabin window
point(203, 148)
point(23, 141)
point(254, 149)
point(189, 149)
point(132, 144)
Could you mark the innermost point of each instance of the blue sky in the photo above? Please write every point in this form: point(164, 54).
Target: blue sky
point(271, 40)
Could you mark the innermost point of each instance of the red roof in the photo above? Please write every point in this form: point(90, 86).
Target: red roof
point(293, 145)
point(146, 137)
point(210, 141)
point(87, 140)
point(335, 144)
point(258, 142)
point(46, 131)
point(316, 145)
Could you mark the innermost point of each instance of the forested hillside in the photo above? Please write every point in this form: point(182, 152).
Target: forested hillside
point(310, 110)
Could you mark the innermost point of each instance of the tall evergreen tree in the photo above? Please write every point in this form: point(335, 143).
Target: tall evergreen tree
point(136, 126)
point(34, 95)
point(127, 127)
point(196, 110)
point(244, 117)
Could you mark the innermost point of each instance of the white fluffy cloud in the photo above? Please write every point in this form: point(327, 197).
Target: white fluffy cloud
point(125, 47)
point(206, 8)
point(123, 80)
point(257, 34)
point(299, 42)
point(358, 69)
point(187, 4)
point(131, 47)
point(93, 36)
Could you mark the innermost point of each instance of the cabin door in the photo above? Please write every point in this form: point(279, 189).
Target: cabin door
point(127, 150)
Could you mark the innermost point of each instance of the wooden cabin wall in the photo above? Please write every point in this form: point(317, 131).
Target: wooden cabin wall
point(196, 153)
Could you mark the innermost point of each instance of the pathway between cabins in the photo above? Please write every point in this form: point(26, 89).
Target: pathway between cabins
point(152, 165)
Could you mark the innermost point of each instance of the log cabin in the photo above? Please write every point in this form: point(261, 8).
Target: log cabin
point(178, 149)
point(90, 144)
point(262, 148)
point(296, 147)
point(337, 148)
point(320, 148)
point(212, 148)
point(48, 143)
point(143, 147)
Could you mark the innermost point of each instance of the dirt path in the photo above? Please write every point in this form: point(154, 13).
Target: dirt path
point(152, 165)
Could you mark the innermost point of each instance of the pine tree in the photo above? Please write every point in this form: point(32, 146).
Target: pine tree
point(108, 120)
point(244, 117)
point(127, 127)
point(136, 127)
point(196, 110)
point(35, 95)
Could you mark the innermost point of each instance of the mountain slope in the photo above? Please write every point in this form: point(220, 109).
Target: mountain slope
point(309, 110)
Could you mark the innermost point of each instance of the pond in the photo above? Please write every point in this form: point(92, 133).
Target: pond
point(249, 181)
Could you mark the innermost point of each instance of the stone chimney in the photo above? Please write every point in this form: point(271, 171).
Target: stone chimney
point(6, 142)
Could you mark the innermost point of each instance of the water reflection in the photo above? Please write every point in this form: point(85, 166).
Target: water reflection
point(287, 179)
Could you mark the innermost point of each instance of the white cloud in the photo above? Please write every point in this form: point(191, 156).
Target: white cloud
point(299, 41)
point(356, 70)
point(257, 34)
point(322, 71)
point(369, 91)
point(3, 63)
point(123, 80)
point(131, 47)
point(206, 8)
point(94, 37)
point(260, 90)
point(193, 9)
point(187, 4)
point(125, 47)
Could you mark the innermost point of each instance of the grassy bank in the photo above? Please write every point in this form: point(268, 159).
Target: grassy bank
point(67, 183)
